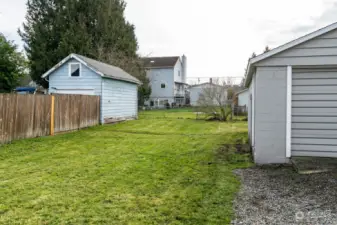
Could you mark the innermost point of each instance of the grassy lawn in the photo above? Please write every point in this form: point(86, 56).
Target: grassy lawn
point(156, 170)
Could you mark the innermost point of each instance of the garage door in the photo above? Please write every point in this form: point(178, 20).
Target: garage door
point(314, 113)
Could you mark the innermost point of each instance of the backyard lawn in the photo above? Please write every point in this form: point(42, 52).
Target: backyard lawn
point(161, 169)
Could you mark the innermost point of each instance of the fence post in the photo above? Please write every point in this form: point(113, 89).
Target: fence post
point(52, 115)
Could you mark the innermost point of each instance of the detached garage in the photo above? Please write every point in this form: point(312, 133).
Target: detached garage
point(293, 99)
point(79, 75)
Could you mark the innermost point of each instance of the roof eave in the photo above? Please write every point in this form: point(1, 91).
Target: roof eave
point(284, 47)
point(159, 67)
point(127, 80)
point(242, 91)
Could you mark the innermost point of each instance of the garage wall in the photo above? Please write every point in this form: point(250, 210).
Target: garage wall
point(321, 50)
point(270, 115)
point(119, 100)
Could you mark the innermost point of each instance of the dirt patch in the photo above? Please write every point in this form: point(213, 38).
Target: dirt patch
point(235, 148)
point(233, 153)
point(279, 195)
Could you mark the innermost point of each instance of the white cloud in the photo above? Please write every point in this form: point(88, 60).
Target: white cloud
point(12, 15)
point(217, 36)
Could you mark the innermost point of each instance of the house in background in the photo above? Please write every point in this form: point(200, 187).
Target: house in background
point(168, 80)
point(28, 86)
point(243, 97)
point(197, 90)
point(293, 106)
point(80, 75)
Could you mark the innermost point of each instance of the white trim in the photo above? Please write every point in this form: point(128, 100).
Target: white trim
point(286, 46)
point(102, 102)
point(253, 111)
point(75, 91)
point(69, 69)
point(288, 121)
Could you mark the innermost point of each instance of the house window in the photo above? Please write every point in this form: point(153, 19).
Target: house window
point(163, 85)
point(74, 69)
point(179, 73)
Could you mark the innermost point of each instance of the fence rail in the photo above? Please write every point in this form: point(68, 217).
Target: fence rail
point(27, 116)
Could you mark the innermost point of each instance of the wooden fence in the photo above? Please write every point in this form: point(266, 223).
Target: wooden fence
point(27, 116)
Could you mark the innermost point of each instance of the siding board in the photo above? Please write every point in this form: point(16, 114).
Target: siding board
point(315, 97)
point(314, 119)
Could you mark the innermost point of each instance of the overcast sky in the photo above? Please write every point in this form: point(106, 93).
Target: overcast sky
point(217, 36)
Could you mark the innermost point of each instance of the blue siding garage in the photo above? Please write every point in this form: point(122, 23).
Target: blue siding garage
point(77, 74)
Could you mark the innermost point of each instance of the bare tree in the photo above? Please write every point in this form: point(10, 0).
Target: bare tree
point(213, 100)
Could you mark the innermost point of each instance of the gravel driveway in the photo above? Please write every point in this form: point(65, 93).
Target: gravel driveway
point(278, 195)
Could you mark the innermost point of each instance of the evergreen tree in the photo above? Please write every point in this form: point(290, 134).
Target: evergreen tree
point(12, 65)
point(96, 29)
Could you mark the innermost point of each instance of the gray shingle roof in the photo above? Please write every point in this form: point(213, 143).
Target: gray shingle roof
point(109, 71)
point(158, 62)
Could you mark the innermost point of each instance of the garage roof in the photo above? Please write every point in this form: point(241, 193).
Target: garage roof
point(252, 61)
point(103, 69)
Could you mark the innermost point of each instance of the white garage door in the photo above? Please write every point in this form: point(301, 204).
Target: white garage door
point(314, 113)
point(76, 91)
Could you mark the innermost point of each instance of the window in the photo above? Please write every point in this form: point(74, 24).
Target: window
point(163, 85)
point(74, 69)
point(179, 73)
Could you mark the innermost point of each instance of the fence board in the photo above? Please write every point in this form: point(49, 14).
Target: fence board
point(74, 112)
point(27, 116)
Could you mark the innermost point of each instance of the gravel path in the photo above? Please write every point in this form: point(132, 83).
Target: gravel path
point(278, 195)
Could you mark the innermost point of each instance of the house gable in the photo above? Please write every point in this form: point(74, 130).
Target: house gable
point(61, 81)
point(306, 46)
point(321, 50)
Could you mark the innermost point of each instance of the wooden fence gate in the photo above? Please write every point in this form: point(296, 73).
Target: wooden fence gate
point(27, 116)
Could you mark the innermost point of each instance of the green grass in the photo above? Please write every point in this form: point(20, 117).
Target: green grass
point(149, 171)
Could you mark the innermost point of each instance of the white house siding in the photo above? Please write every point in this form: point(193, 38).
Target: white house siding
point(157, 77)
point(119, 100)
point(178, 68)
point(61, 82)
point(194, 94)
point(270, 115)
point(321, 50)
point(196, 91)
